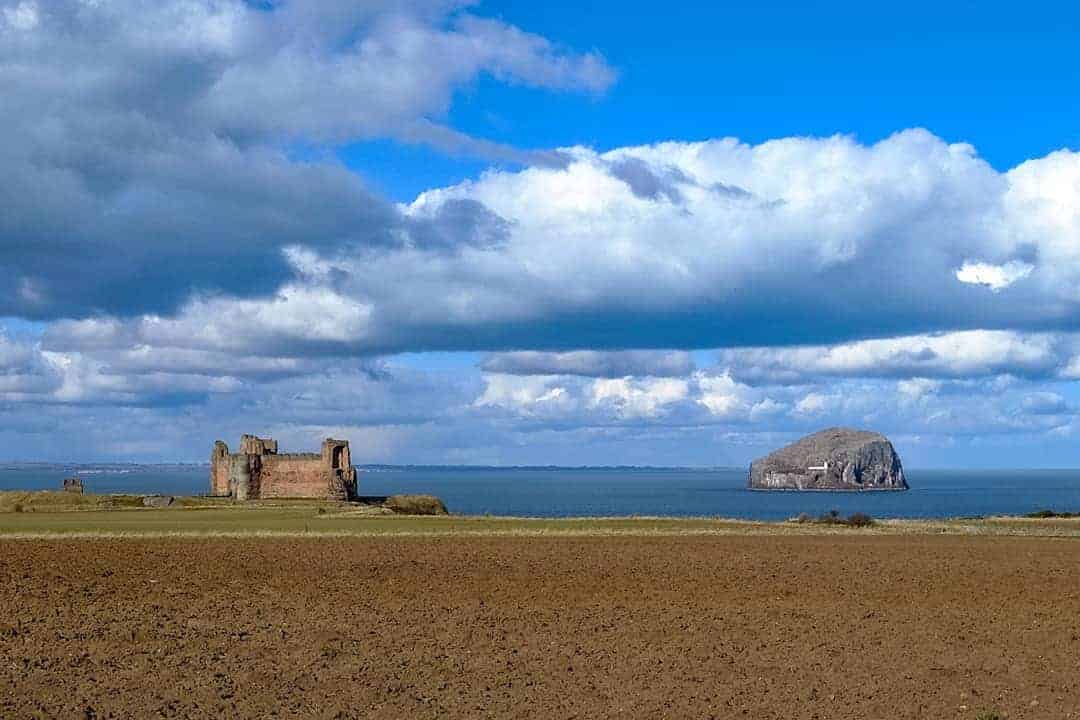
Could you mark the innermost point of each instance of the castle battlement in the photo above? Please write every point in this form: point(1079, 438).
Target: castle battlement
point(258, 471)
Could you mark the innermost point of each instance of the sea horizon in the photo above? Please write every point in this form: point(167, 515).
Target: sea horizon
point(617, 491)
point(449, 466)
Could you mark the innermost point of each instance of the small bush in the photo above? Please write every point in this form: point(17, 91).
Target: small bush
point(1052, 514)
point(860, 520)
point(803, 518)
point(833, 517)
point(416, 505)
point(830, 518)
point(988, 715)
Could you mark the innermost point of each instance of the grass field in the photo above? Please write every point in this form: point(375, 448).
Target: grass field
point(47, 514)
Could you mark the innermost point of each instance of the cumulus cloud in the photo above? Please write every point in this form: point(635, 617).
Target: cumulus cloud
point(157, 150)
point(789, 242)
point(824, 241)
point(173, 209)
point(964, 354)
point(918, 388)
point(726, 398)
point(173, 404)
point(531, 396)
point(811, 240)
point(24, 372)
point(813, 404)
point(631, 398)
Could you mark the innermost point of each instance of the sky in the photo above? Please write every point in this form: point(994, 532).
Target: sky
point(522, 233)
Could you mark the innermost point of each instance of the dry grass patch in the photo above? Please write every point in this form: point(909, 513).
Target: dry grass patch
point(59, 501)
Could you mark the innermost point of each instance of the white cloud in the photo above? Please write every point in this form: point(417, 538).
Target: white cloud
point(527, 395)
point(637, 398)
point(22, 17)
point(297, 316)
point(693, 245)
point(726, 398)
point(813, 404)
point(1040, 208)
point(969, 353)
point(917, 388)
point(191, 397)
point(196, 139)
point(766, 409)
point(995, 277)
point(845, 282)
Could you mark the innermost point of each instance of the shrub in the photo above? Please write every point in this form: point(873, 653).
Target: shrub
point(988, 715)
point(416, 505)
point(860, 520)
point(833, 517)
point(1052, 514)
point(803, 518)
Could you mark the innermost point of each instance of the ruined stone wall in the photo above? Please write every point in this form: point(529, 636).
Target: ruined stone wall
point(219, 477)
point(258, 471)
point(300, 475)
point(254, 445)
point(220, 469)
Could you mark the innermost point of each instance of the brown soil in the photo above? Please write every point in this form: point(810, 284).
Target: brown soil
point(763, 627)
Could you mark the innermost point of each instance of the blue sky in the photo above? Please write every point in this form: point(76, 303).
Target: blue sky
point(997, 75)
point(514, 233)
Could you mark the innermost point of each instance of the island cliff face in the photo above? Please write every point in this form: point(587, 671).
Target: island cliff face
point(833, 459)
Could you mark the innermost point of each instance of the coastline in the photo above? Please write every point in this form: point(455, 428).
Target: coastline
point(56, 515)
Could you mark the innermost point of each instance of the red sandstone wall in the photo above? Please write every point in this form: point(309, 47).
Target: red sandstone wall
point(220, 464)
point(219, 478)
point(283, 476)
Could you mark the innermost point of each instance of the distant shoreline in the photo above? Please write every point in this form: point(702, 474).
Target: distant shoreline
point(20, 464)
point(56, 514)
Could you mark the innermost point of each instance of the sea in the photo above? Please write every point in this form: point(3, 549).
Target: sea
point(607, 492)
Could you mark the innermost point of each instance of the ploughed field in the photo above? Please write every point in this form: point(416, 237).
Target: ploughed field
point(830, 626)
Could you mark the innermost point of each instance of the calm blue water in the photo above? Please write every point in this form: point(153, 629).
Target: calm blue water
point(571, 492)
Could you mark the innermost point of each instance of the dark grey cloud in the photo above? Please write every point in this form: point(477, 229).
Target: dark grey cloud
point(565, 258)
point(458, 223)
point(205, 216)
point(169, 184)
point(24, 372)
point(648, 182)
point(151, 150)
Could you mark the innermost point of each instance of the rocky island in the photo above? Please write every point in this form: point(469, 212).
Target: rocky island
point(833, 459)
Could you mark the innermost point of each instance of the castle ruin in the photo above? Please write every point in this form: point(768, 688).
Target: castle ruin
point(258, 471)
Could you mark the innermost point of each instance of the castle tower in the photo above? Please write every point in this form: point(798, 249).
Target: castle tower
point(260, 471)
